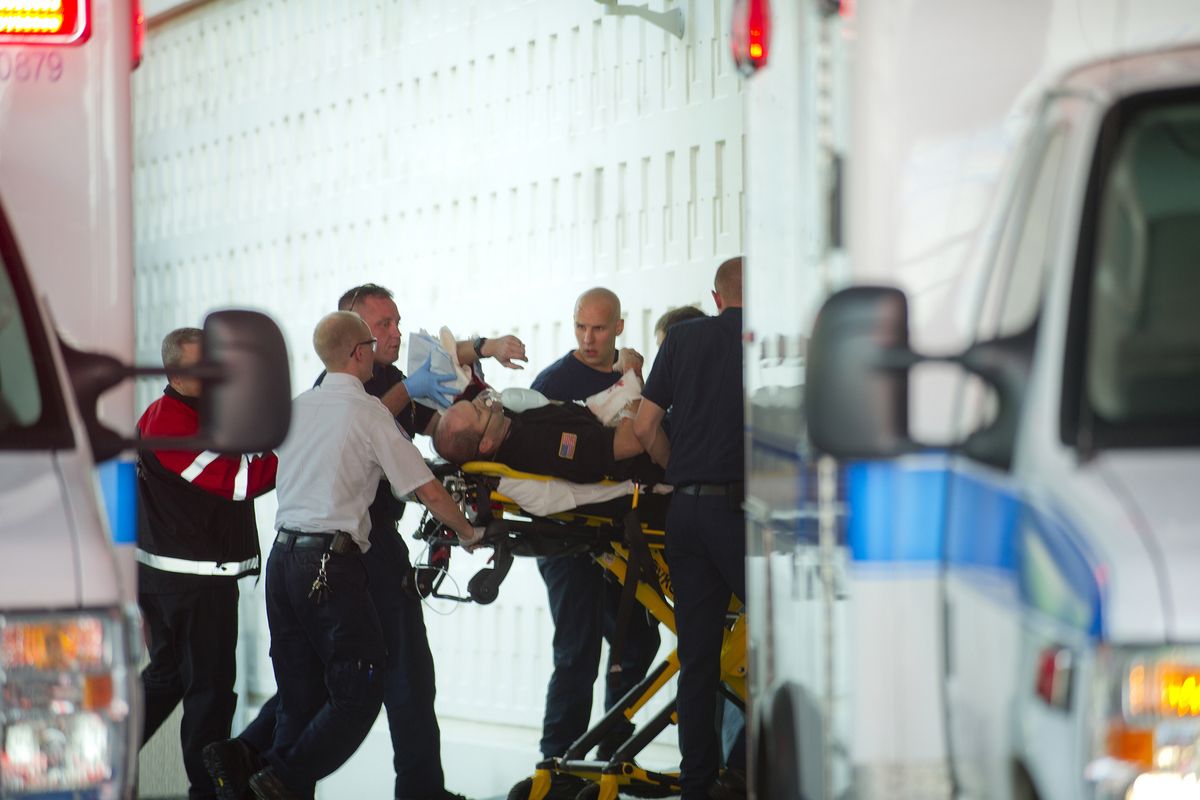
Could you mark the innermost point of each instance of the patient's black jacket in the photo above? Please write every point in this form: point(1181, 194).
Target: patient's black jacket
point(567, 441)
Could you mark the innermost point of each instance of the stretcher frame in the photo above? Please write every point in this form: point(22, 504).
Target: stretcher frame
point(619, 546)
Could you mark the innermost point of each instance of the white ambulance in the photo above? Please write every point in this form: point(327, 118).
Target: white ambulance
point(70, 637)
point(992, 591)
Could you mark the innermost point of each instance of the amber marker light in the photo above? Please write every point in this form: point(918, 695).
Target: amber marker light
point(1180, 690)
point(1133, 745)
point(63, 645)
point(98, 692)
point(1163, 689)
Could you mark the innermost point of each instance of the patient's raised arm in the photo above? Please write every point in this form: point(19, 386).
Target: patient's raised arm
point(625, 442)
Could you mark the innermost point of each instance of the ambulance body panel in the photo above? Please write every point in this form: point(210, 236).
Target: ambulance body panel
point(1004, 606)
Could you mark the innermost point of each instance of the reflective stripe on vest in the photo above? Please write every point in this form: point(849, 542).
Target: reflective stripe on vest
point(199, 465)
point(241, 481)
point(182, 565)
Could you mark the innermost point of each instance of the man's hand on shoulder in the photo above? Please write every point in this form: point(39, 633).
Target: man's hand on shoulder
point(629, 359)
point(506, 349)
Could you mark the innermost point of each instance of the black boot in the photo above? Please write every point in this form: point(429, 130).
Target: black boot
point(230, 763)
point(266, 785)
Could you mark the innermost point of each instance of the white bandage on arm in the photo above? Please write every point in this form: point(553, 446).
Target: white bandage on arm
point(608, 405)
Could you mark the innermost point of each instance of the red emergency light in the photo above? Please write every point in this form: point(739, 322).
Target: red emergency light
point(750, 34)
point(139, 32)
point(58, 22)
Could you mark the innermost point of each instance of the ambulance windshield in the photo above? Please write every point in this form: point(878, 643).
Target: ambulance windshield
point(1143, 339)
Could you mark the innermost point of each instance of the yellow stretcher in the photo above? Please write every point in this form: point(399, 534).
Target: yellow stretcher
point(626, 537)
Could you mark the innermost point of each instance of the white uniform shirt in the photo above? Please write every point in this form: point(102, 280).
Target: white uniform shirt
point(341, 443)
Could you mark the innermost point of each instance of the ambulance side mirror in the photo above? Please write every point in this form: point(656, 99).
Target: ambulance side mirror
point(246, 405)
point(856, 387)
point(856, 392)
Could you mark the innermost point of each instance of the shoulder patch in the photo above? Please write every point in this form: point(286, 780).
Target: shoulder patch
point(566, 446)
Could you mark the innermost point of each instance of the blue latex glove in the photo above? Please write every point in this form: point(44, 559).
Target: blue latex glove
point(425, 384)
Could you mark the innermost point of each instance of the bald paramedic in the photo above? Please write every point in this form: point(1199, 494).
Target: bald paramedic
point(583, 603)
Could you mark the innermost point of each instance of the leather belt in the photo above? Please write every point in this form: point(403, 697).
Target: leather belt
point(337, 542)
point(734, 489)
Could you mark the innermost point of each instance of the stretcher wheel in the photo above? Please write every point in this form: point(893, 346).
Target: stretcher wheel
point(559, 786)
point(484, 589)
point(484, 586)
point(521, 789)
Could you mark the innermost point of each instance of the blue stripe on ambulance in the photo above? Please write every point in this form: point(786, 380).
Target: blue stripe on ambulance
point(119, 488)
point(1059, 576)
point(896, 516)
point(895, 511)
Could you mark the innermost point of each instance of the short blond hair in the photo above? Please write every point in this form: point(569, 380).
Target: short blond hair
point(336, 336)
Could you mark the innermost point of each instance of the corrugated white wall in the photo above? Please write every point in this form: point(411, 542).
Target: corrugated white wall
point(487, 161)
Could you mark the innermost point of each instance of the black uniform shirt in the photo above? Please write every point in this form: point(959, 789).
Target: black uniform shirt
point(565, 441)
point(414, 417)
point(568, 442)
point(571, 379)
point(698, 376)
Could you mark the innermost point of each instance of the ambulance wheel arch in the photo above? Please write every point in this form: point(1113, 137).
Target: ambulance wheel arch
point(790, 730)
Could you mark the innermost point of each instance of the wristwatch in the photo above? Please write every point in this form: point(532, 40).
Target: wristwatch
point(477, 345)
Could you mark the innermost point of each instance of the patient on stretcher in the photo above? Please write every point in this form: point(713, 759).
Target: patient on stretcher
point(561, 440)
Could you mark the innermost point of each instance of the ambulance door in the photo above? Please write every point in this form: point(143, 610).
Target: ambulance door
point(986, 503)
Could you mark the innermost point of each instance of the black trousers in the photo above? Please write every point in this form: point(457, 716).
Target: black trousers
point(328, 660)
point(583, 605)
point(193, 643)
point(706, 550)
point(409, 683)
